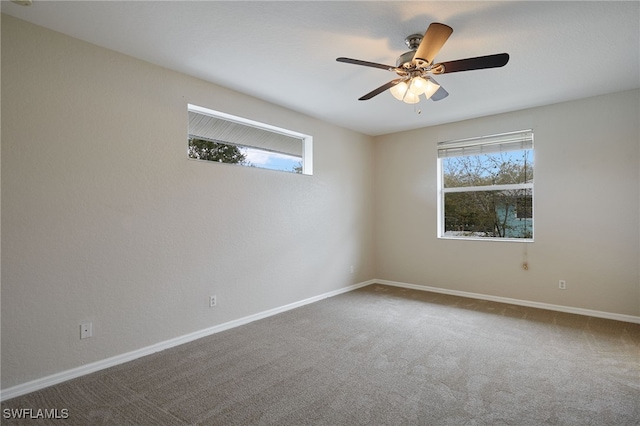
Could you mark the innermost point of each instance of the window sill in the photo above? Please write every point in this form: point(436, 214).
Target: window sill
point(508, 240)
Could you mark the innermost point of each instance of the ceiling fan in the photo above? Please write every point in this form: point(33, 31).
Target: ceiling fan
point(415, 67)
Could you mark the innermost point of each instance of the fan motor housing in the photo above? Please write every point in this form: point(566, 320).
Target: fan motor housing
point(413, 42)
point(405, 58)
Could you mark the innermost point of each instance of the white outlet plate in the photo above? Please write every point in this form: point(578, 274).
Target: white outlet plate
point(86, 330)
point(562, 285)
point(213, 301)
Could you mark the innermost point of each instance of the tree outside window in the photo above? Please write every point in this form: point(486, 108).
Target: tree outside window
point(202, 149)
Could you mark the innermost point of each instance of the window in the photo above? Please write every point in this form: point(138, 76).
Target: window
point(223, 138)
point(486, 187)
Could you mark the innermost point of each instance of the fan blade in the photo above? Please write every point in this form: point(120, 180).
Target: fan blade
point(366, 63)
point(481, 62)
point(434, 38)
point(440, 93)
point(380, 89)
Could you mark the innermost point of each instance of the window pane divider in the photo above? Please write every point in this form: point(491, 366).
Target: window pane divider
point(489, 188)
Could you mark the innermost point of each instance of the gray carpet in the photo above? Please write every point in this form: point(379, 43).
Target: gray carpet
point(379, 355)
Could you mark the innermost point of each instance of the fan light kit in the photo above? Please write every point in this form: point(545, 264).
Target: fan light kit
point(409, 90)
point(415, 67)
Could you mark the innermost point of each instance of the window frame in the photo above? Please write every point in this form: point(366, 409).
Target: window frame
point(306, 140)
point(442, 191)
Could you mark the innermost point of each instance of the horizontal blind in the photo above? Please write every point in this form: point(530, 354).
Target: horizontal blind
point(513, 141)
point(230, 132)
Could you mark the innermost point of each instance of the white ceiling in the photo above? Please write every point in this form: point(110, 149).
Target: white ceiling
point(284, 52)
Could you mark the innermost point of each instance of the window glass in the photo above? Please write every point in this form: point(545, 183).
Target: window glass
point(222, 138)
point(486, 187)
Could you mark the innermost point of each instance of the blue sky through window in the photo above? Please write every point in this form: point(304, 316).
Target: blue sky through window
point(272, 160)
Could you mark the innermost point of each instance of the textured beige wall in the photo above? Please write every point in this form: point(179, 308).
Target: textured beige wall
point(586, 209)
point(104, 218)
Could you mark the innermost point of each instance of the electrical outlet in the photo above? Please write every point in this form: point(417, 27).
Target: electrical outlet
point(212, 301)
point(351, 269)
point(562, 285)
point(86, 330)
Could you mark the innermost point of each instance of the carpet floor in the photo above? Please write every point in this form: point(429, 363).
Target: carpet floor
point(378, 355)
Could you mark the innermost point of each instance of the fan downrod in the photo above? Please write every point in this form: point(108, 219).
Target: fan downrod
point(413, 41)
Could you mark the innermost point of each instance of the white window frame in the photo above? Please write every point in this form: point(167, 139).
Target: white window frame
point(306, 140)
point(475, 145)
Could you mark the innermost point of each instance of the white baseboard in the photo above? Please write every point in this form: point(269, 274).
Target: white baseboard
point(73, 373)
point(548, 306)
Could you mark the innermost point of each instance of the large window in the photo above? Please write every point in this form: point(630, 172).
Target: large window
point(223, 138)
point(486, 187)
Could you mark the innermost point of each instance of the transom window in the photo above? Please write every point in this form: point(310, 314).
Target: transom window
point(486, 187)
point(224, 138)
